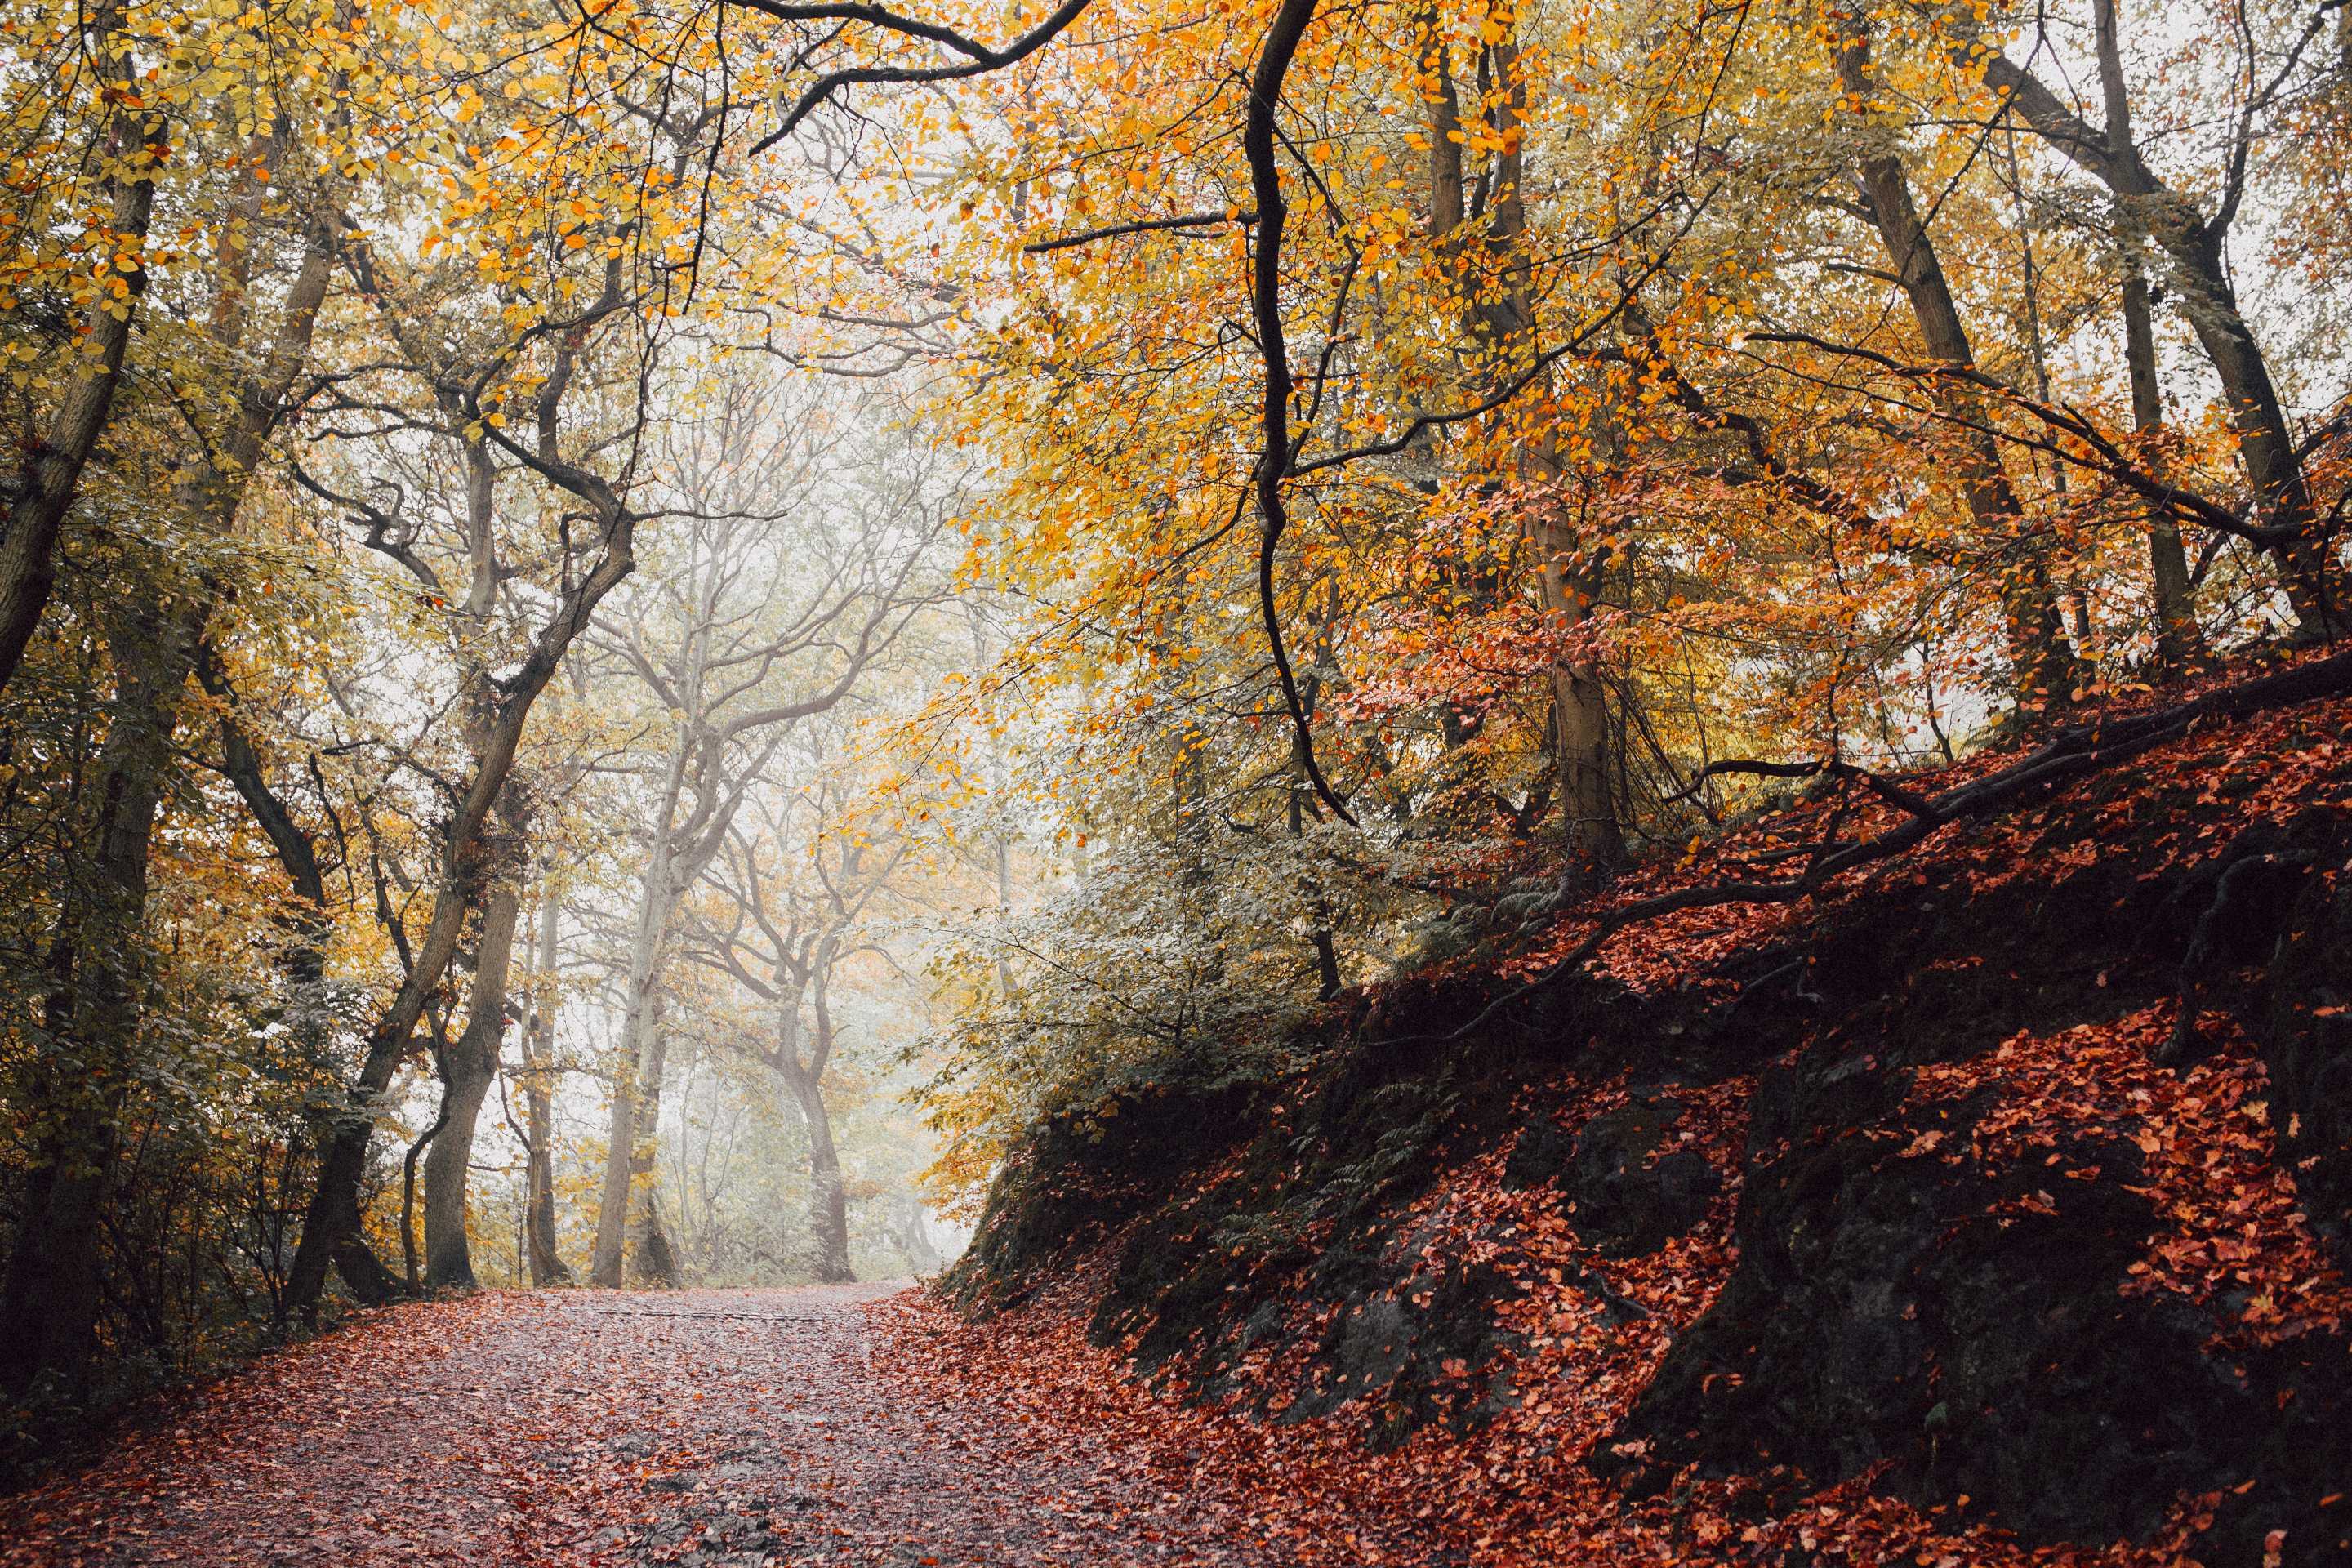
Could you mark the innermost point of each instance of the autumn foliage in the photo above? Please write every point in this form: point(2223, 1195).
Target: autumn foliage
point(1490, 714)
point(1392, 1296)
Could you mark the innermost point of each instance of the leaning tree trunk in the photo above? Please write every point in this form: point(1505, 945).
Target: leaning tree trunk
point(2042, 665)
point(308, 1009)
point(331, 1223)
point(2196, 247)
point(50, 475)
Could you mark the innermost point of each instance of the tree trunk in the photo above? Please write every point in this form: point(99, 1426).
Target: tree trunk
point(153, 663)
point(1319, 935)
point(1501, 322)
point(309, 1011)
point(52, 1295)
point(49, 1307)
point(915, 1237)
point(448, 1259)
point(49, 1314)
point(50, 475)
point(828, 1214)
point(2178, 638)
point(2195, 247)
point(652, 1261)
point(472, 1062)
point(1595, 840)
point(1003, 901)
point(638, 1010)
point(682, 842)
point(2041, 667)
point(331, 1223)
point(547, 1264)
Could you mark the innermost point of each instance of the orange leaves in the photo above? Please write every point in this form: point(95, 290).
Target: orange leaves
point(2230, 1220)
point(2047, 1110)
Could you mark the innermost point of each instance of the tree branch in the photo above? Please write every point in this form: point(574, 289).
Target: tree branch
point(1145, 226)
point(2074, 752)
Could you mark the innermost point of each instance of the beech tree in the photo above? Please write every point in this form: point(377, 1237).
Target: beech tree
point(773, 618)
point(94, 1006)
point(792, 899)
point(552, 550)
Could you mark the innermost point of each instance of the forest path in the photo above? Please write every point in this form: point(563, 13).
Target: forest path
point(733, 1427)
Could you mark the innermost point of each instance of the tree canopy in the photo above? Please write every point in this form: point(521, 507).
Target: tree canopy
point(636, 587)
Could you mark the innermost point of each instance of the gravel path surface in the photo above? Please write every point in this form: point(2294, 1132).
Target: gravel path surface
point(595, 1428)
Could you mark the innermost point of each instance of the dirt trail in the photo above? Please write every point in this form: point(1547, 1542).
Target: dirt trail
point(707, 1427)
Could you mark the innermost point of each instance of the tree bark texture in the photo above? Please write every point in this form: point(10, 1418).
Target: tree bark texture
point(472, 1063)
point(2042, 665)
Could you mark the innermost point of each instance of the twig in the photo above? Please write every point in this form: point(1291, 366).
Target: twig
point(1146, 226)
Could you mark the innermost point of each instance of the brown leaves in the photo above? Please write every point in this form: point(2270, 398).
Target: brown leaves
point(452, 1431)
point(2230, 1234)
